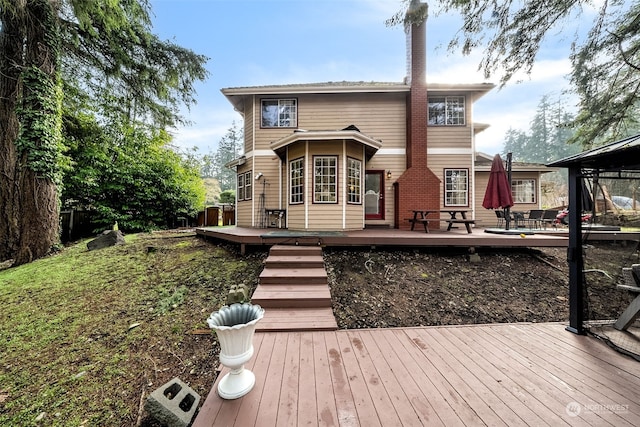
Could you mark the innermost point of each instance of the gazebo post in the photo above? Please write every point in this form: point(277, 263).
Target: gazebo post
point(574, 253)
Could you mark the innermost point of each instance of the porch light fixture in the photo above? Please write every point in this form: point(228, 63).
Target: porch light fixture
point(388, 174)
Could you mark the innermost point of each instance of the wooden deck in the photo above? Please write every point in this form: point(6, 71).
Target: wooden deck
point(393, 237)
point(379, 237)
point(503, 375)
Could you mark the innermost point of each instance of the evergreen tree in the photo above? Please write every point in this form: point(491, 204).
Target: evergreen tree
point(228, 150)
point(104, 55)
point(605, 53)
point(547, 138)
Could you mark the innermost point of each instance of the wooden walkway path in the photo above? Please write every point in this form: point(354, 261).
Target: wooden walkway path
point(498, 375)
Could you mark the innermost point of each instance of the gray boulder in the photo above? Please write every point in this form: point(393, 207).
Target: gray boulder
point(106, 239)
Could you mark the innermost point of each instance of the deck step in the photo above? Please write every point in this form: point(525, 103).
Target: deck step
point(294, 261)
point(293, 276)
point(294, 290)
point(288, 296)
point(292, 250)
point(300, 319)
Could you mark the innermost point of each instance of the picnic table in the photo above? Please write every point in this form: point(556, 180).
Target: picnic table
point(422, 217)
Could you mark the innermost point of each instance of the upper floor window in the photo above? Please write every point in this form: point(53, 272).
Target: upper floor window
point(296, 181)
point(456, 187)
point(523, 190)
point(354, 178)
point(325, 179)
point(446, 110)
point(279, 113)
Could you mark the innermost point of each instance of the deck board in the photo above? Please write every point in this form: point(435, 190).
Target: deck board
point(327, 414)
point(403, 365)
point(600, 369)
point(307, 405)
point(577, 385)
point(364, 406)
point(542, 395)
point(512, 374)
point(524, 394)
point(288, 402)
point(379, 395)
point(399, 388)
point(588, 383)
point(509, 408)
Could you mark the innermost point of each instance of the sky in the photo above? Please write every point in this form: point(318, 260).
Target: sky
point(271, 42)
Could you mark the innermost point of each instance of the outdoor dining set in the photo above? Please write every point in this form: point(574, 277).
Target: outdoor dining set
point(535, 218)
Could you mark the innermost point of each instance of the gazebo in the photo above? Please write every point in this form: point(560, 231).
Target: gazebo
point(617, 160)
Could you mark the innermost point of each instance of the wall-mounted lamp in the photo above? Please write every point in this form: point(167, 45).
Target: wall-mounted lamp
point(388, 174)
point(258, 175)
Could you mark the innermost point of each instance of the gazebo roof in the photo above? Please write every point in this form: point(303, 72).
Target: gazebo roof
point(622, 155)
point(611, 159)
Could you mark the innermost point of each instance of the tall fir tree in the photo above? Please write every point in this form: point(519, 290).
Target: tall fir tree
point(105, 56)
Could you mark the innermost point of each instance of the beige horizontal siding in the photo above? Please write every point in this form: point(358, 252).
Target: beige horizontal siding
point(325, 217)
point(295, 217)
point(378, 116)
point(269, 166)
point(487, 217)
point(243, 214)
point(249, 127)
point(447, 137)
point(354, 217)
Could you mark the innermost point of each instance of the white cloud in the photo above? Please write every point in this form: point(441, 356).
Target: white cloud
point(208, 126)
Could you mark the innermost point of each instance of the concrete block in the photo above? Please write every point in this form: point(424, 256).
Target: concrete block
point(173, 404)
point(238, 293)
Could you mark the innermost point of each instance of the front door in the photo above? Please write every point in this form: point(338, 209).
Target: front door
point(374, 195)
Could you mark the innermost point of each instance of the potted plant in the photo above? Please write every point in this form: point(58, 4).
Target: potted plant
point(235, 325)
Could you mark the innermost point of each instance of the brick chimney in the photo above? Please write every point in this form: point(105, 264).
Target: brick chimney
point(418, 187)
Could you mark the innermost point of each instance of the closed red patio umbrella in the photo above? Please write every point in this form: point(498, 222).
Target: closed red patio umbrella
point(498, 193)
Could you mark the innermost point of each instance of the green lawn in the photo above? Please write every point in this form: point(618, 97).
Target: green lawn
point(85, 336)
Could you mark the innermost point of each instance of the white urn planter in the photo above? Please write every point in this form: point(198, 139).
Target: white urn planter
point(235, 326)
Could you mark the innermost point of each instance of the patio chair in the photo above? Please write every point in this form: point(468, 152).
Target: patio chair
point(534, 220)
point(549, 217)
point(500, 216)
point(518, 219)
point(631, 283)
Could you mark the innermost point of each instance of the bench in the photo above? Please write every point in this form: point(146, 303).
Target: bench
point(423, 221)
point(467, 223)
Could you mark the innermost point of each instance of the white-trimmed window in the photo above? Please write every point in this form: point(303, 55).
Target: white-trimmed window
point(248, 179)
point(279, 113)
point(296, 181)
point(240, 192)
point(456, 187)
point(446, 110)
point(325, 179)
point(354, 180)
point(523, 190)
point(244, 186)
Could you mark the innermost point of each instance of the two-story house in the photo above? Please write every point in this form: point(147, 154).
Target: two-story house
point(347, 155)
